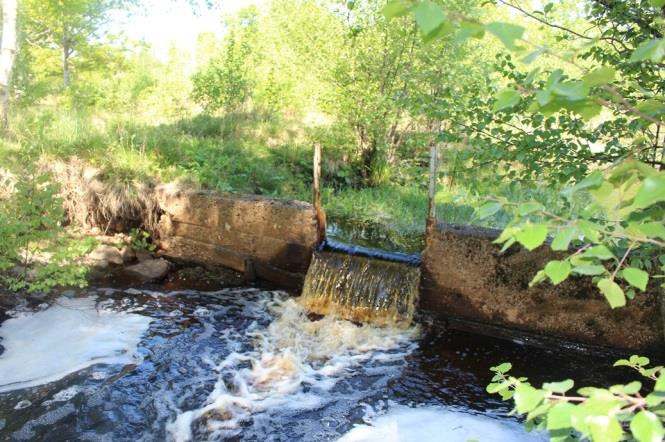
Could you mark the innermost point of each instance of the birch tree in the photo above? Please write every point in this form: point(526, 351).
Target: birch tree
point(7, 53)
point(72, 26)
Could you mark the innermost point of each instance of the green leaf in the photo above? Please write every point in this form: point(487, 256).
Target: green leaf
point(622, 363)
point(533, 73)
point(487, 209)
point(508, 33)
point(562, 240)
point(543, 97)
point(652, 50)
point(496, 387)
point(396, 9)
point(636, 277)
point(653, 108)
point(613, 293)
point(533, 56)
point(559, 387)
point(538, 411)
point(589, 270)
point(646, 427)
point(557, 271)
point(630, 167)
point(502, 368)
point(632, 387)
point(601, 252)
point(470, 29)
point(505, 98)
point(592, 181)
point(530, 207)
point(538, 278)
point(657, 3)
point(605, 428)
point(429, 16)
point(559, 420)
point(507, 245)
point(527, 398)
point(653, 230)
point(597, 77)
point(532, 235)
point(639, 361)
point(657, 397)
point(571, 90)
point(587, 109)
point(590, 230)
point(651, 191)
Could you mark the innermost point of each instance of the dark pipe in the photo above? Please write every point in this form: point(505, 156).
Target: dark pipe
point(329, 245)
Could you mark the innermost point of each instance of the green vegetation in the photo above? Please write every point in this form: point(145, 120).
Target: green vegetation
point(618, 239)
point(551, 123)
point(31, 236)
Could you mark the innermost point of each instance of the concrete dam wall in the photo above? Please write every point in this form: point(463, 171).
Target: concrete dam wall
point(466, 276)
point(271, 237)
point(463, 274)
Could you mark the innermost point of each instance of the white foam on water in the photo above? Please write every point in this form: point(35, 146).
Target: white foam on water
point(72, 334)
point(404, 424)
point(99, 375)
point(23, 404)
point(290, 354)
point(63, 395)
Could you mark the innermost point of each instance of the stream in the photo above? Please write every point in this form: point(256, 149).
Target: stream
point(250, 364)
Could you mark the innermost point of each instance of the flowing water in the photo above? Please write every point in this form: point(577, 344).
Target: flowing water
point(249, 364)
point(361, 289)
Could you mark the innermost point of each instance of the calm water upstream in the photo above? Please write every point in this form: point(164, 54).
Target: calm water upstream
point(246, 364)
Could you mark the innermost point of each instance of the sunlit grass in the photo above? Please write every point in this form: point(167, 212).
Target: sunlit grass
point(251, 153)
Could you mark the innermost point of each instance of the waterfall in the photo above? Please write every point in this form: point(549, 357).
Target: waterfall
point(361, 289)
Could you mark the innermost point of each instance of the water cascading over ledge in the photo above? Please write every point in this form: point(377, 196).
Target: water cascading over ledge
point(361, 289)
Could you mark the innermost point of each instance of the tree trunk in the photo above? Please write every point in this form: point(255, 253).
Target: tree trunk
point(7, 53)
point(66, 77)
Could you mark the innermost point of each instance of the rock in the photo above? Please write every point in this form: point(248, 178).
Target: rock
point(100, 264)
point(150, 270)
point(143, 255)
point(127, 254)
point(106, 253)
point(17, 271)
point(21, 271)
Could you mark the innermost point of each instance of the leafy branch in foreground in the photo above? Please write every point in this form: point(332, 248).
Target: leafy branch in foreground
point(35, 253)
point(621, 235)
point(618, 239)
point(594, 413)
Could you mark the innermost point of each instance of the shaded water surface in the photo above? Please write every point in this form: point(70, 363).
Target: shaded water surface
point(245, 364)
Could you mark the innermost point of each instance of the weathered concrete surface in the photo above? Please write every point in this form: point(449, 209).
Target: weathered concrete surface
point(277, 235)
point(465, 276)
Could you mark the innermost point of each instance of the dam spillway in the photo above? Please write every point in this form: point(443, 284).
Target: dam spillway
point(360, 288)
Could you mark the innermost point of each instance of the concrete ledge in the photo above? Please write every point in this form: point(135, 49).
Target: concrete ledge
point(465, 276)
point(278, 236)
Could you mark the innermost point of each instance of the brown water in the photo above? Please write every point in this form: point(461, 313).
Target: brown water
point(361, 289)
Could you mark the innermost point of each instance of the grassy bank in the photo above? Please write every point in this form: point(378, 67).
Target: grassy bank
point(255, 154)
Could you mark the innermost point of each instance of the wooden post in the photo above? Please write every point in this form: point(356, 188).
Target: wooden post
point(433, 177)
point(319, 214)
